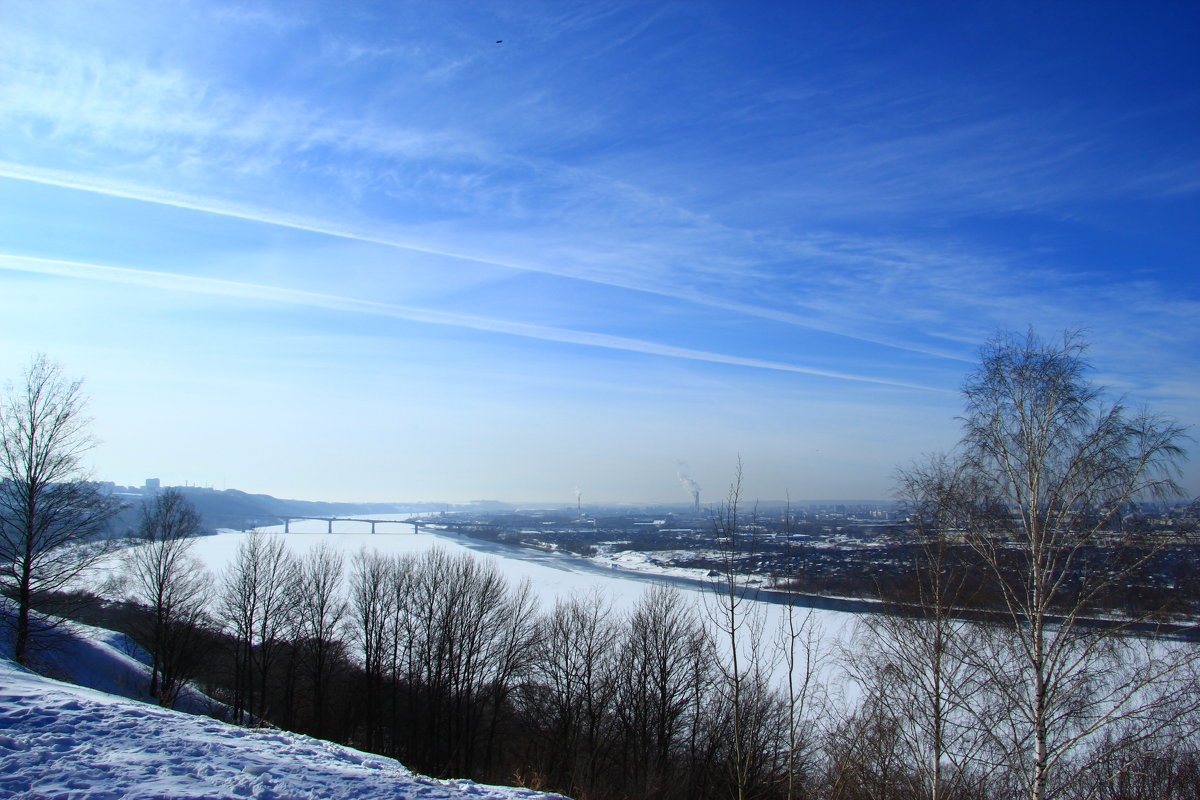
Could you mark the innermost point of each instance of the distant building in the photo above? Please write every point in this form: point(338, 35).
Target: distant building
point(153, 484)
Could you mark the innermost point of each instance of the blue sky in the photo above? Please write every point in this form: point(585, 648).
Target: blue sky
point(364, 251)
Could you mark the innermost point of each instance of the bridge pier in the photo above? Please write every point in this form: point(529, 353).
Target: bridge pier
point(372, 527)
point(330, 528)
point(287, 525)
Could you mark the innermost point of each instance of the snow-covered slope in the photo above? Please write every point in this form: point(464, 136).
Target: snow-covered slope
point(98, 659)
point(60, 740)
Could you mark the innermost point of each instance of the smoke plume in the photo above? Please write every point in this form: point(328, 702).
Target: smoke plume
point(690, 485)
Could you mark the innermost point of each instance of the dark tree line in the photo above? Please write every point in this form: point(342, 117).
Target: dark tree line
point(439, 661)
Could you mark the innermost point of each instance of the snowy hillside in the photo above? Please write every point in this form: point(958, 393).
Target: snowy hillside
point(59, 740)
point(98, 659)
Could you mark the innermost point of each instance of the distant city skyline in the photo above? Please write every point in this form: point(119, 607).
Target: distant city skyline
point(153, 485)
point(416, 251)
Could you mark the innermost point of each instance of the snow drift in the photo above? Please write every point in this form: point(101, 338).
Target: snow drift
point(60, 740)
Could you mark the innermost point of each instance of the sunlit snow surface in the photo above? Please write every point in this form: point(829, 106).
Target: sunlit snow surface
point(59, 740)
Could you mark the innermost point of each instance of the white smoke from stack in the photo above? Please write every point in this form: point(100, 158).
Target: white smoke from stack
point(690, 485)
point(578, 499)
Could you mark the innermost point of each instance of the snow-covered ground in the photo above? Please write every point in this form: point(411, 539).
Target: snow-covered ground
point(659, 562)
point(60, 740)
point(98, 659)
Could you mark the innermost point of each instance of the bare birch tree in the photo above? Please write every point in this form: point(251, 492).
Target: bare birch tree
point(51, 517)
point(802, 653)
point(1050, 465)
point(738, 620)
point(915, 660)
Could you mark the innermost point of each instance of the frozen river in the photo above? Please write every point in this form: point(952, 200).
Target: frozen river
point(552, 575)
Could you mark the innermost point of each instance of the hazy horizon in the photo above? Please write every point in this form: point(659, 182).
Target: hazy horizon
point(429, 250)
point(538, 503)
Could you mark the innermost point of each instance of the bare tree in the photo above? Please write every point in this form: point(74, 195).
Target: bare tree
point(509, 659)
point(50, 515)
point(1048, 467)
point(867, 758)
point(320, 612)
point(802, 651)
point(739, 621)
point(912, 671)
point(803, 654)
point(400, 641)
point(664, 663)
point(257, 604)
point(914, 661)
point(575, 688)
point(175, 588)
point(371, 610)
point(463, 637)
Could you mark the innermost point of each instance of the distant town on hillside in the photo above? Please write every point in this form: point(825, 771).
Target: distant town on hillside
point(844, 549)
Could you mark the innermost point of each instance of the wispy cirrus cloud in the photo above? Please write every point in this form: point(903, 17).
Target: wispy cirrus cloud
point(281, 295)
point(833, 318)
point(163, 132)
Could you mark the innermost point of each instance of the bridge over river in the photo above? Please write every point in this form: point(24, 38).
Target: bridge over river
point(416, 526)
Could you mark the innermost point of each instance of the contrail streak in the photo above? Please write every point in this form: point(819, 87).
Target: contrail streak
point(214, 286)
point(59, 178)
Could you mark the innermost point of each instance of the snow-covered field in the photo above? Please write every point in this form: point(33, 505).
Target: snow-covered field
point(60, 740)
point(659, 563)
